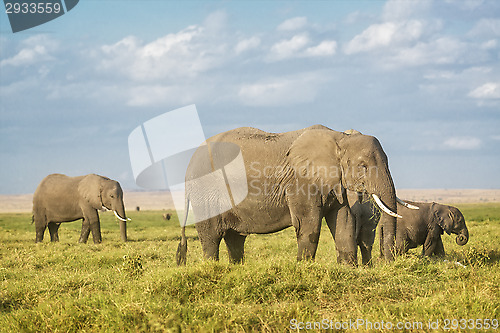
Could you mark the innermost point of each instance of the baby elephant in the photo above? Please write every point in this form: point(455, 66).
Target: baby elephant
point(426, 225)
point(416, 227)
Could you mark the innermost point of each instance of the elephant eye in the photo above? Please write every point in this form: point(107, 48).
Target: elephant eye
point(112, 196)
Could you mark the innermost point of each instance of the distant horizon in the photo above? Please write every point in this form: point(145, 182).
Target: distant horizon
point(138, 190)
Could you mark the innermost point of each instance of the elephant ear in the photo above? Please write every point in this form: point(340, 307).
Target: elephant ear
point(438, 217)
point(90, 188)
point(314, 156)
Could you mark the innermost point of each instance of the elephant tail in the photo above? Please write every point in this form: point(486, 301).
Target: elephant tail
point(181, 254)
point(32, 219)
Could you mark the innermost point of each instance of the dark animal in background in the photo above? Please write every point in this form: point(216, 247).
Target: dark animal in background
point(166, 216)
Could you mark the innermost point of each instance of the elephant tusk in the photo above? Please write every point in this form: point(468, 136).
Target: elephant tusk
point(407, 205)
point(118, 217)
point(383, 207)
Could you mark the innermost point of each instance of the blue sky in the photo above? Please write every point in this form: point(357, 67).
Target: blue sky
point(422, 76)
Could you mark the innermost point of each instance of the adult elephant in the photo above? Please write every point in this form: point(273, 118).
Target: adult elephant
point(294, 179)
point(60, 198)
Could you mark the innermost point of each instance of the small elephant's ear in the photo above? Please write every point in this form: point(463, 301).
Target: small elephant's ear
point(439, 220)
point(313, 156)
point(90, 189)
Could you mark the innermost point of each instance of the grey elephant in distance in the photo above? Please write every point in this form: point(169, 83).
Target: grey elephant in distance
point(59, 198)
point(422, 226)
point(294, 179)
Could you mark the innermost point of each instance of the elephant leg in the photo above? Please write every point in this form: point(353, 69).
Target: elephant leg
point(431, 242)
point(429, 246)
point(53, 230)
point(402, 244)
point(366, 254)
point(235, 244)
point(94, 224)
point(307, 225)
point(306, 218)
point(40, 230)
point(84, 236)
point(40, 221)
point(343, 228)
point(307, 238)
point(95, 227)
point(366, 238)
point(381, 242)
point(439, 250)
point(210, 237)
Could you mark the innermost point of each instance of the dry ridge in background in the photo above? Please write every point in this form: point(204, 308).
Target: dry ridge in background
point(160, 200)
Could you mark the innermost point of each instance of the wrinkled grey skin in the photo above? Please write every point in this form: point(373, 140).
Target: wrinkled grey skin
point(367, 214)
point(295, 160)
point(416, 227)
point(60, 198)
point(426, 225)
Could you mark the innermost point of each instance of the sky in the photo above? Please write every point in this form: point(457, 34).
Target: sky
point(422, 76)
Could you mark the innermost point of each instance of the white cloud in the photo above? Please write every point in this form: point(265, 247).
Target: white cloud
point(35, 49)
point(402, 10)
point(282, 91)
point(439, 75)
point(289, 47)
point(490, 44)
point(490, 90)
point(384, 35)
point(180, 55)
point(486, 28)
point(216, 21)
point(156, 94)
point(462, 143)
point(442, 51)
point(325, 48)
point(247, 44)
point(466, 5)
point(297, 47)
point(359, 16)
point(295, 23)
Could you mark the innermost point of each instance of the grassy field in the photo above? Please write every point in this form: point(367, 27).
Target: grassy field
point(136, 286)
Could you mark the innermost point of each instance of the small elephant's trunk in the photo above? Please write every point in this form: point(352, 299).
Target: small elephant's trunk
point(462, 237)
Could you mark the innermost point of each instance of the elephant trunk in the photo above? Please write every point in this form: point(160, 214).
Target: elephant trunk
point(384, 189)
point(462, 237)
point(120, 214)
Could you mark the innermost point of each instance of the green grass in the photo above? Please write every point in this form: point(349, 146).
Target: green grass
point(136, 286)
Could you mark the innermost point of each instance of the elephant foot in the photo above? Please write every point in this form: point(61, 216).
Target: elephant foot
point(348, 258)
